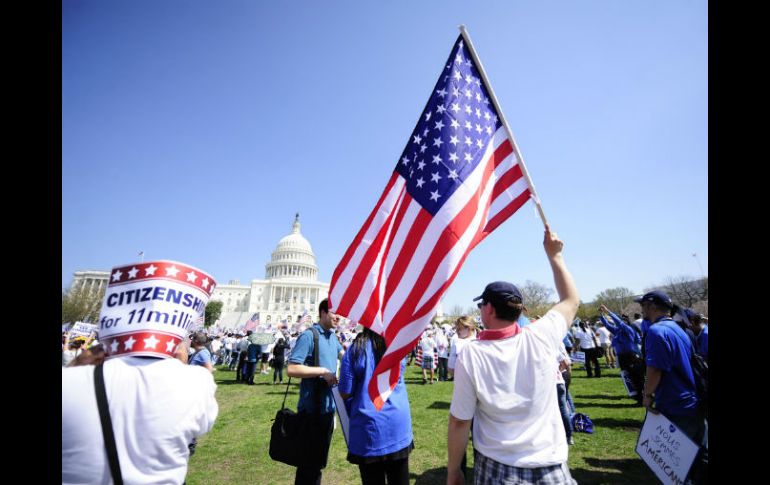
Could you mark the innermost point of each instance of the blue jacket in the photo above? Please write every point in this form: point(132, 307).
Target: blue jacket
point(626, 339)
point(669, 349)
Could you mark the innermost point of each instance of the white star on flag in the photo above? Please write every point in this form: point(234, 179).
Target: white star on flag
point(170, 346)
point(132, 273)
point(434, 195)
point(116, 275)
point(129, 344)
point(172, 271)
point(205, 283)
point(151, 342)
point(420, 181)
point(114, 346)
point(191, 276)
point(150, 270)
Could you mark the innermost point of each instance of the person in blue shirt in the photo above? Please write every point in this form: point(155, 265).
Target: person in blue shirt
point(670, 379)
point(702, 336)
point(202, 355)
point(253, 352)
point(626, 342)
point(379, 442)
point(315, 395)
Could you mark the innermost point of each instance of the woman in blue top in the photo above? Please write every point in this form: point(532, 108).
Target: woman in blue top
point(379, 441)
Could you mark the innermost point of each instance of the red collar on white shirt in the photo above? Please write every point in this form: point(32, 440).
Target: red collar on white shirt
point(499, 334)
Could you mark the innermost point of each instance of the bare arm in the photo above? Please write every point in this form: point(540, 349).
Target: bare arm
point(457, 442)
point(650, 385)
point(307, 371)
point(569, 300)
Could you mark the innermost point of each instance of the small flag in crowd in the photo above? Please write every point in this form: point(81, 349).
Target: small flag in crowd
point(418, 358)
point(252, 323)
point(305, 317)
point(455, 182)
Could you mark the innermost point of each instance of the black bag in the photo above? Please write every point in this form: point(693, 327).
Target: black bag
point(301, 439)
point(700, 371)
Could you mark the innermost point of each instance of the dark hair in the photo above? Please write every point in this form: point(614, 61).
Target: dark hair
point(359, 345)
point(509, 310)
point(323, 307)
point(582, 325)
point(200, 339)
point(637, 316)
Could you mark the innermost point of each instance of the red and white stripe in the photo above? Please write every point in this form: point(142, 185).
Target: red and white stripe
point(402, 261)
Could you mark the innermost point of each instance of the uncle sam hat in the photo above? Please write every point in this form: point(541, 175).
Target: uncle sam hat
point(150, 307)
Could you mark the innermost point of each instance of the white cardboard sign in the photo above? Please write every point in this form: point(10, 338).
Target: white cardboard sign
point(665, 449)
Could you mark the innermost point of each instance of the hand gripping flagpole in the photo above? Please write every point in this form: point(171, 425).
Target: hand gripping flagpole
point(533, 193)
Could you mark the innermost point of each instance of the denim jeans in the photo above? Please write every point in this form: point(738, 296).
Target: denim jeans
point(561, 391)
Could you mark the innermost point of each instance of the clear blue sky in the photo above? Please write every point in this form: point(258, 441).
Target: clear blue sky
point(194, 130)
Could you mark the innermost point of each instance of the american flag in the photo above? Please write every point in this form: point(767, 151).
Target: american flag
point(252, 323)
point(457, 180)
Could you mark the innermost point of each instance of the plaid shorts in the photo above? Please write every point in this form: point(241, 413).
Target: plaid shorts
point(427, 363)
point(490, 472)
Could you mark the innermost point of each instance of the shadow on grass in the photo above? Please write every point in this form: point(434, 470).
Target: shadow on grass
point(629, 470)
point(580, 404)
point(626, 424)
point(439, 405)
point(599, 396)
point(436, 476)
point(281, 393)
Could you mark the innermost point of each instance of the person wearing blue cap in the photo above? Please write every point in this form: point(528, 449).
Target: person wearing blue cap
point(505, 384)
point(670, 380)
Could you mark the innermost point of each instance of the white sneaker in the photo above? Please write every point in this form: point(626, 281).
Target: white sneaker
point(571, 441)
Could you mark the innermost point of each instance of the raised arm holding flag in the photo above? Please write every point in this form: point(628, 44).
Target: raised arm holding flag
point(459, 177)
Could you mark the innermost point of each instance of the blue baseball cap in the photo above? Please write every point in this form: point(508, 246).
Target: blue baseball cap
point(656, 296)
point(500, 291)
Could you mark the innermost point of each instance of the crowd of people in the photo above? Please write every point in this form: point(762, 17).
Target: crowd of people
point(510, 375)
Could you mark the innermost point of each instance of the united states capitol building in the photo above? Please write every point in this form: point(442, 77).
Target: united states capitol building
point(289, 288)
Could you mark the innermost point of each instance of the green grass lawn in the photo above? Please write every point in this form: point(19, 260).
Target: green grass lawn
point(236, 449)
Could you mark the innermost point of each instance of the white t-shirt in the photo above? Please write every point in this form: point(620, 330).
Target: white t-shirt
point(586, 338)
point(442, 345)
point(427, 344)
point(157, 407)
point(216, 344)
point(508, 387)
point(604, 335)
point(457, 345)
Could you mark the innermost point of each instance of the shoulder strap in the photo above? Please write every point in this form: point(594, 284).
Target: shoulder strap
point(107, 432)
point(316, 363)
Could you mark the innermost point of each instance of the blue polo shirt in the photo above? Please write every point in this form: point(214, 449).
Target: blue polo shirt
point(668, 349)
point(372, 432)
point(329, 348)
point(201, 357)
point(252, 352)
point(626, 339)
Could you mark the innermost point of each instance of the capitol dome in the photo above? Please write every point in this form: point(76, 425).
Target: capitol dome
point(293, 257)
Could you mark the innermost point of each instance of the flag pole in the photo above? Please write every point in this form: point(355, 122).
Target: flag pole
point(524, 171)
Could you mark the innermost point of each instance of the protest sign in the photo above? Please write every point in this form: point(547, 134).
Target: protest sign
point(80, 329)
point(262, 338)
point(150, 307)
point(579, 357)
point(342, 412)
point(665, 449)
point(628, 383)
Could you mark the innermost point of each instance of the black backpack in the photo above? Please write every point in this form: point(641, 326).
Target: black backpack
point(700, 371)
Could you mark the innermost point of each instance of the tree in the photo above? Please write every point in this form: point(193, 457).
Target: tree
point(456, 311)
point(587, 311)
point(684, 290)
point(213, 311)
point(78, 305)
point(616, 299)
point(537, 297)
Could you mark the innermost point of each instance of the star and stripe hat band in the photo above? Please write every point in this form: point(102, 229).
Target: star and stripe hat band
point(150, 307)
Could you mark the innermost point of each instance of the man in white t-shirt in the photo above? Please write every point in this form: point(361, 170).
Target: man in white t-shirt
point(605, 340)
point(506, 383)
point(442, 353)
point(428, 346)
